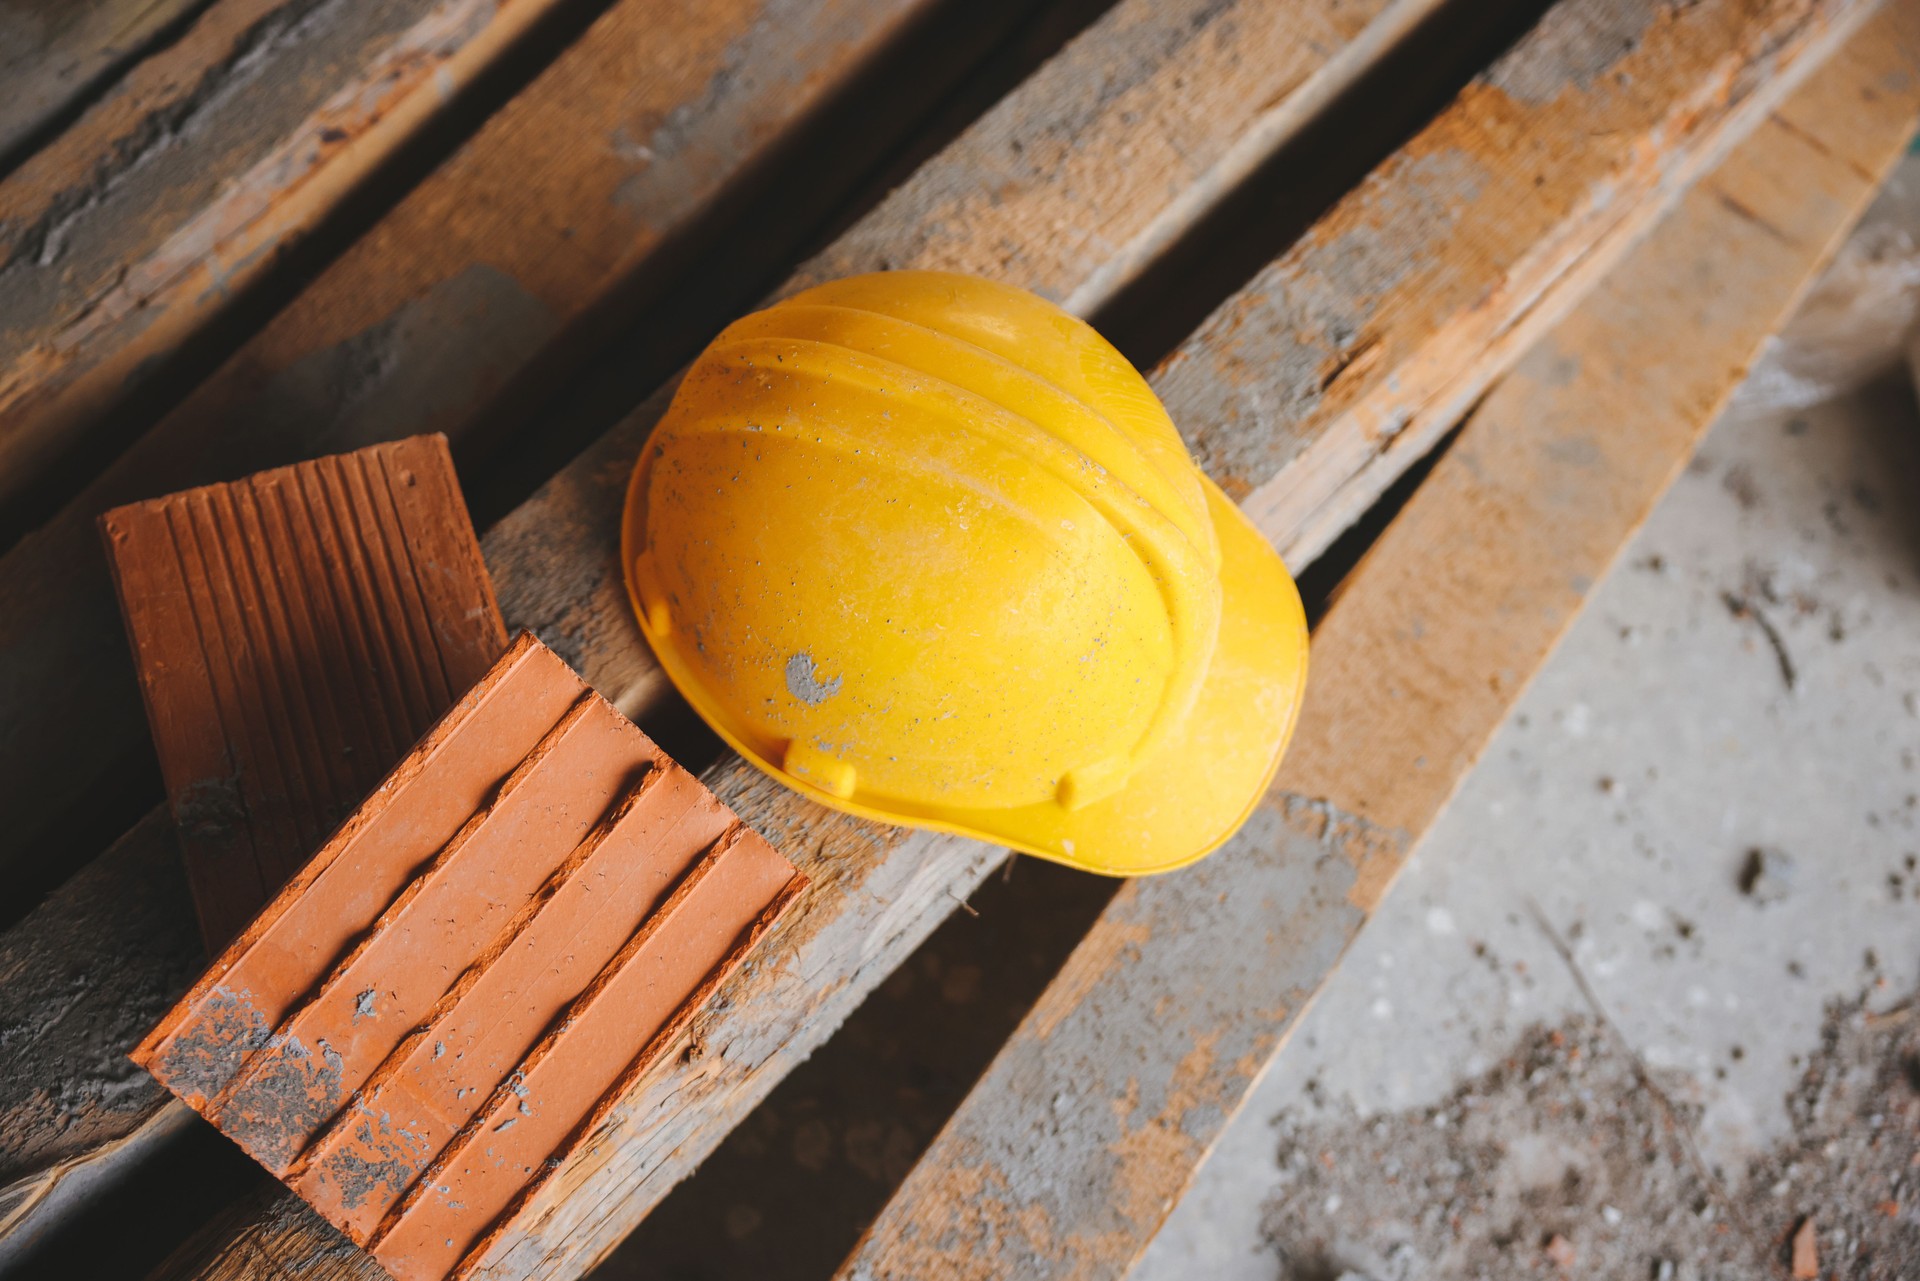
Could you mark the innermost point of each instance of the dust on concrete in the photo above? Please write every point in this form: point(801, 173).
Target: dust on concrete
point(1560, 1161)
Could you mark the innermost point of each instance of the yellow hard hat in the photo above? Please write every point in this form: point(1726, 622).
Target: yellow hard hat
point(927, 549)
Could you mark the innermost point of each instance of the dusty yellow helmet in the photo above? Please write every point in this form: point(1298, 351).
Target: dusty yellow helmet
point(928, 549)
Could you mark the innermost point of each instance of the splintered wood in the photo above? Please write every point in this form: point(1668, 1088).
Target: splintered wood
point(520, 918)
point(1304, 397)
point(295, 632)
point(1140, 62)
point(1500, 215)
point(1072, 233)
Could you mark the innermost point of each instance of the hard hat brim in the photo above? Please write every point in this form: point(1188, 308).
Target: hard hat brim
point(1180, 803)
point(1191, 795)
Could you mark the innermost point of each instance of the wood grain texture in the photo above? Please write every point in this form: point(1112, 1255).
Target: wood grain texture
point(626, 140)
point(1532, 195)
point(81, 980)
point(554, 564)
point(132, 228)
point(53, 53)
point(1069, 1153)
point(295, 632)
point(1303, 396)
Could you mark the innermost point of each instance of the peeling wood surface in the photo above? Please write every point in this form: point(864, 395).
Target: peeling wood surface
point(1069, 1153)
point(82, 979)
point(30, 1211)
point(1551, 185)
point(1303, 395)
point(132, 228)
point(627, 138)
point(53, 53)
point(477, 273)
point(868, 908)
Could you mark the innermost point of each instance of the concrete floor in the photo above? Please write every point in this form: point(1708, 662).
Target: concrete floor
point(1663, 744)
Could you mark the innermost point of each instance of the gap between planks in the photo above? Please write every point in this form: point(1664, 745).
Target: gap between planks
point(134, 228)
point(1068, 1154)
point(56, 60)
point(420, 324)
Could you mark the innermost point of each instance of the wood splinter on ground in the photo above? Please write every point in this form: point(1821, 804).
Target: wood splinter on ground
point(1806, 1251)
point(519, 921)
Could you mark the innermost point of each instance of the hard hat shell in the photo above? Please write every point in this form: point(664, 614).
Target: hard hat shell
point(928, 549)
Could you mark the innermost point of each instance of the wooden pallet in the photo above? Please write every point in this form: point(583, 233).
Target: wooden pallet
point(1478, 243)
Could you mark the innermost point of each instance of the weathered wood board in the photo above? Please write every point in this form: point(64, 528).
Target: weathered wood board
point(1137, 63)
point(1069, 1153)
point(54, 53)
point(129, 230)
point(1300, 392)
point(876, 891)
point(81, 981)
point(1504, 239)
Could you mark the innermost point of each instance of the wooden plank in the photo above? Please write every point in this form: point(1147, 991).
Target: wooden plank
point(54, 53)
point(1305, 400)
point(877, 891)
point(1270, 69)
point(1464, 235)
point(81, 981)
point(1069, 1153)
point(495, 261)
point(188, 179)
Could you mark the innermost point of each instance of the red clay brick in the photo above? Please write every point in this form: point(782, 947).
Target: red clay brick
point(295, 632)
point(517, 921)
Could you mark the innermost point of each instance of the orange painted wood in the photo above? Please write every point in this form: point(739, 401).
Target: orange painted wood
point(295, 632)
point(415, 1031)
point(1069, 1153)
